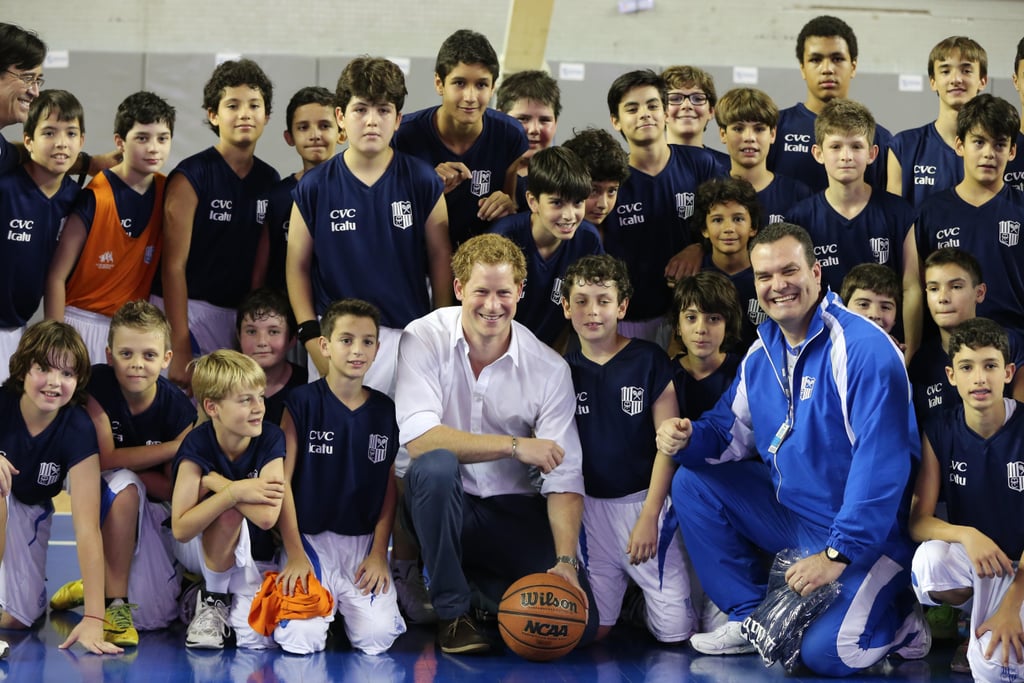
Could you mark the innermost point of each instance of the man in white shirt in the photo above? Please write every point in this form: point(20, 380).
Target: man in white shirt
point(486, 412)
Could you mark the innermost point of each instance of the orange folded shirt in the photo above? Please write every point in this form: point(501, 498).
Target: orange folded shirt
point(271, 606)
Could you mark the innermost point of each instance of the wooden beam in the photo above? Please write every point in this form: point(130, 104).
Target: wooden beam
point(526, 39)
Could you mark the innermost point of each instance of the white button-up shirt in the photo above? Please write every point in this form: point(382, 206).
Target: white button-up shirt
point(526, 392)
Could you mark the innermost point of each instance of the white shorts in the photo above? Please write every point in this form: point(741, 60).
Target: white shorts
point(607, 524)
point(9, 339)
point(211, 327)
point(940, 566)
point(658, 330)
point(94, 328)
point(372, 622)
point(23, 567)
point(154, 580)
point(245, 582)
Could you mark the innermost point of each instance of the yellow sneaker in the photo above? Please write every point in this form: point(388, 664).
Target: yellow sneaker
point(119, 628)
point(68, 596)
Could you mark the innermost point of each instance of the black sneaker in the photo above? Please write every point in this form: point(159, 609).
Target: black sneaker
point(462, 636)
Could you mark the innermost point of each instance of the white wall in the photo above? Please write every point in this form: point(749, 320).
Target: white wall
point(895, 35)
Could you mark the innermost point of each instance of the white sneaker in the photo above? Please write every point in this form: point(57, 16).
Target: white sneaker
point(5, 649)
point(413, 598)
point(724, 640)
point(209, 628)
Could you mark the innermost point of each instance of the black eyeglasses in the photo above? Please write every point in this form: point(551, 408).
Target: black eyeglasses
point(696, 98)
point(28, 79)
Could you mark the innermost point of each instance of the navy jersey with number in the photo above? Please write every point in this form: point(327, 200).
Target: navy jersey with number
point(134, 209)
point(650, 225)
point(540, 307)
point(991, 232)
point(30, 223)
point(279, 211)
point(170, 412)
point(226, 227)
point(43, 460)
point(1014, 174)
point(929, 165)
point(615, 419)
point(369, 242)
point(791, 153)
point(695, 396)
point(983, 479)
point(779, 197)
point(344, 456)
point(875, 235)
point(501, 142)
point(200, 446)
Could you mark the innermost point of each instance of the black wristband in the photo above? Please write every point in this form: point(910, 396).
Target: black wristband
point(85, 160)
point(309, 330)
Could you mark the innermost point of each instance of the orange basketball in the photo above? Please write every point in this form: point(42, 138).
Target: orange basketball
point(541, 617)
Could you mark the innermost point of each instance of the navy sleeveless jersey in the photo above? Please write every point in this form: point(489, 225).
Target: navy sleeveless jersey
point(31, 225)
point(928, 164)
point(369, 242)
point(753, 316)
point(791, 153)
point(875, 235)
point(501, 142)
point(614, 417)
point(170, 412)
point(650, 225)
point(344, 456)
point(275, 403)
point(779, 197)
point(225, 229)
point(200, 446)
point(43, 460)
point(927, 372)
point(983, 479)
point(279, 211)
point(695, 396)
point(540, 307)
point(991, 232)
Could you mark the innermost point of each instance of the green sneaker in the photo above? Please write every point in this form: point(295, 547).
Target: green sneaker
point(942, 621)
point(119, 628)
point(68, 596)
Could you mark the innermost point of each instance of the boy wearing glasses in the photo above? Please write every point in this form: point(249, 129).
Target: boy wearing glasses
point(691, 106)
point(648, 229)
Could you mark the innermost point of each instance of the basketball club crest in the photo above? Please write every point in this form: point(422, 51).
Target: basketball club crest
point(684, 204)
point(880, 249)
point(261, 210)
point(1015, 476)
point(401, 214)
point(556, 291)
point(755, 313)
point(481, 183)
point(632, 400)
point(378, 448)
point(49, 473)
point(1009, 233)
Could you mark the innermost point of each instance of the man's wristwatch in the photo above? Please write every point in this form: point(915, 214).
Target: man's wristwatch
point(836, 556)
point(569, 560)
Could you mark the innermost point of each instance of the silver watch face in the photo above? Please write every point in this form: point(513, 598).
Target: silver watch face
point(832, 553)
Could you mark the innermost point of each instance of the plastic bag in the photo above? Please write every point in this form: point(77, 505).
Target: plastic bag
point(777, 626)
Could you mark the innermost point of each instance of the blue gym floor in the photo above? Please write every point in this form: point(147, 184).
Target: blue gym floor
point(628, 655)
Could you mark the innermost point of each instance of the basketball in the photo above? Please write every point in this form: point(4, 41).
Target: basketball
point(541, 617)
